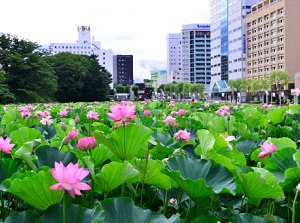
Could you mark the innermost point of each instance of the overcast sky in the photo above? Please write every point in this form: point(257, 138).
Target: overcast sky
point(137, 27)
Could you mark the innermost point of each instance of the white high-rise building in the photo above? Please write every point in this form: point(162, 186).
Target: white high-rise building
point(86, 46)
point(173, 56)
point(228, 38)
point(195, 54)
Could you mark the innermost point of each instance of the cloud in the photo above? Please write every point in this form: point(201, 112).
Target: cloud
point(142, 69)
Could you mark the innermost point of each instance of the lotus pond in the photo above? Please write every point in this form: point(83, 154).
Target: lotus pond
point(152, 161)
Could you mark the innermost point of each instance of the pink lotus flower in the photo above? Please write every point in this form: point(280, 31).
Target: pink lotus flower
point(40, 114)
point(63, 113)
point(69, 178)
point(123, 112)
point(173, 113)
point(73, 134)
point(182, 112)
point(267, 148)
point(170, 121)
point(87, 143)
point(147, 112)
point(5, 145)
point(182, 134)
point(47, 120)
point(224, 111)
point(92, 115)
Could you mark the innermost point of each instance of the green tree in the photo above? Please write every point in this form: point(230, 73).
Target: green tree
point(120, 88)
point(96, 82)
point(179, 89)
point(71, 71)
point(246, 86)
point(235, 85)
point(197, 89)
point(135, 90)
point(167, 89)
point(186, 88)
point(6, 96)
point(279, 79)
point(29, 76)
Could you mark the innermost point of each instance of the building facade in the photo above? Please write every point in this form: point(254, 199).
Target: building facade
point(85, 46)
point(123, 69)
point(273, 32)
point(173, 53)
point(195, 54)
point(228, 38)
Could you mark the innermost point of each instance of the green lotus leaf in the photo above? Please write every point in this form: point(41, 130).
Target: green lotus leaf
point(218, 124)
point(247, 146)
point(153, 104)
point(251, 112)
point(23, 135)
point(101, 127)
point(247, 218)
point(296, 131)
point(24, 217)
point(220, 143)
point(205, 119)
point(48, 131)
point(9, 116)
point(283, 142)
point(147, 121)
point(8, 167)
point(150, 173)
point(160, 152)
point(100, 154)
point(255, 186)
point(206, 142)
point(25, 153)
point(74, 213)
point(124, 208)
point(7, 182)
point(34, 190)
point(47, 156)
point(164, 140)
point(126, 141)
point(115, 174)
point(244, 132)
point(276, 116)
point(280, 161)
point(284, 131)
point(209, 178)
point(206, 219)
point(296, 157)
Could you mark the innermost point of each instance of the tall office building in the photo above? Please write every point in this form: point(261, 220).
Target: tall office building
point(173, 56)
point(228, 38)
point(195, 54)
point(85, 46)
point(273, 31)
point(123, 69)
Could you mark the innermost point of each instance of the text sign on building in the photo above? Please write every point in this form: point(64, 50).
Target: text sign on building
point(203, 26)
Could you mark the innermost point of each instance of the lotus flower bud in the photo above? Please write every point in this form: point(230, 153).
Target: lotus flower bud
point(77, 119)
point(63, 126)
point(66, 140)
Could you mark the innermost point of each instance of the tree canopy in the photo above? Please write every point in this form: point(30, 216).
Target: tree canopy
point(31, 74)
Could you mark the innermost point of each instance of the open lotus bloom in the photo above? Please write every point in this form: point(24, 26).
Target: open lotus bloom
point(267, 148)
point(182, 134)
point(170, 121)
point(123, 112)
point(92, 115)
point(5, 145)
point(69, 178)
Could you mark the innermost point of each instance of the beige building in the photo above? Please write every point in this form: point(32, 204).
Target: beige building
point(273, 38)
